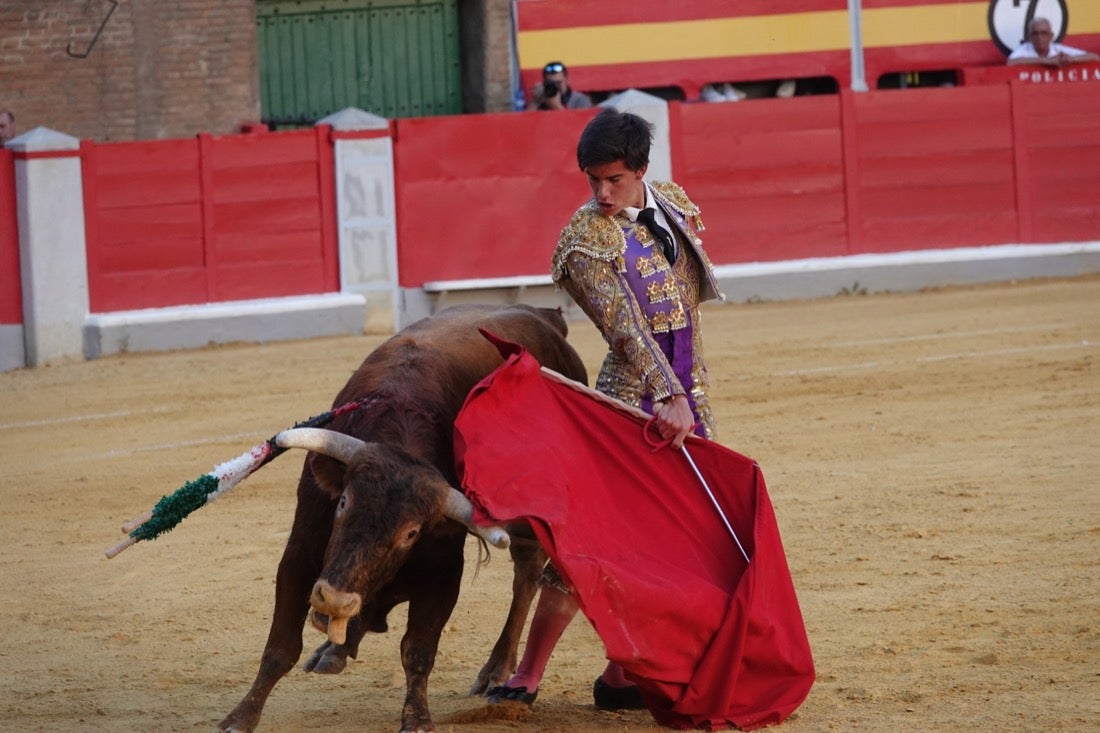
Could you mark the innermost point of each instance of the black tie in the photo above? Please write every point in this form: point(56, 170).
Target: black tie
point(662, 235)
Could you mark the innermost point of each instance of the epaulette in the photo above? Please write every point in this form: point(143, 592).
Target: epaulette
point(675, 196)
point(590, 233)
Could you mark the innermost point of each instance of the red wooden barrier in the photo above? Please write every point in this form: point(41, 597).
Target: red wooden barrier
point(1057, 130)
point(484, 195)
point(768, 176)
point(210, 219)
point(11, 288)
point(933, 169)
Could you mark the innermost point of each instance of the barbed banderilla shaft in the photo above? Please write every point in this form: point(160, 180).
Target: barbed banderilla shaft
point(173, 508)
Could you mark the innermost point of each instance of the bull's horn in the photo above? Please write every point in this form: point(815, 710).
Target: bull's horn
point(336, 445)
point(459, 508)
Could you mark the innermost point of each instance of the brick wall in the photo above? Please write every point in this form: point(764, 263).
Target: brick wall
point(485, 29)
point(173, 69)
point(498, 88)
point(157, 70)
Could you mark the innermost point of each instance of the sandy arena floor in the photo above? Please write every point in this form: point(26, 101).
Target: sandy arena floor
point(932, 459)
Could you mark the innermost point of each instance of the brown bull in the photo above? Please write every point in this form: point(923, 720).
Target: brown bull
point(377, 521)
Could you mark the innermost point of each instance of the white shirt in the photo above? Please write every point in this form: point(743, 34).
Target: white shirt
point(1027, 51)
point(631, 213)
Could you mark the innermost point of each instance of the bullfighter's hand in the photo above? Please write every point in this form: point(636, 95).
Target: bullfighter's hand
point(674, 420)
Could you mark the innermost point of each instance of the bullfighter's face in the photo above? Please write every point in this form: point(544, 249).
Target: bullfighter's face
point(615, 186)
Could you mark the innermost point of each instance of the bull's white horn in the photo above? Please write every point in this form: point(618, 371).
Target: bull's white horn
point(459, 508)
point(336, 445)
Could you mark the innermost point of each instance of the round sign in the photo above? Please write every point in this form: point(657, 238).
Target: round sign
point(1008, 20)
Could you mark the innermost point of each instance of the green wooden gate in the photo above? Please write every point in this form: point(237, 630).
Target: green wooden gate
point(395, 58)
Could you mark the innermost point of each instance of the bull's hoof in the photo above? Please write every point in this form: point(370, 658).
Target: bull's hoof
point(230, 726)
point(328, 658)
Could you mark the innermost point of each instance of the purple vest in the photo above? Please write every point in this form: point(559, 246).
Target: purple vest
point(657, 287)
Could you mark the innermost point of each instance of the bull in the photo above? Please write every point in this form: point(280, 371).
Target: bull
point(378, 521)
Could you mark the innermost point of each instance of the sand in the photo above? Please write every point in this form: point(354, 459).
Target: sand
point(932, 459)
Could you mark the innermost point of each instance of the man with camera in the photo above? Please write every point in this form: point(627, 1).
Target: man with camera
point(555, 93)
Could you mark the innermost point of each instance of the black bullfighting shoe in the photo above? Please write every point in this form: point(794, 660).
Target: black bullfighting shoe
point(514, 694)
point(607, 697)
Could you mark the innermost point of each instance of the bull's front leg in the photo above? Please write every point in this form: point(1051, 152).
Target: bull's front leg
point(528, 560)
point(293, 584)
point(429, 608)
point(298, 570)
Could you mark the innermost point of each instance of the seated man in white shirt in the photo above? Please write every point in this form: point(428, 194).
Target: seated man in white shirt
point(1042, 50)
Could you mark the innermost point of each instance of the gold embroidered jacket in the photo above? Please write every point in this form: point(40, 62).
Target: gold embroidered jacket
point(647, 310)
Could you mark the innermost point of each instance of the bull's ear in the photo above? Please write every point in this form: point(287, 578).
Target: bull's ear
point(328, 473)
point(331, 451)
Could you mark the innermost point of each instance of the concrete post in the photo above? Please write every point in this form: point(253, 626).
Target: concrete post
point(366, 214)
point(52, 249)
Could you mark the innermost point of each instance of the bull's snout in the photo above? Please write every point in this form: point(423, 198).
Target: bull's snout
point(338, 605)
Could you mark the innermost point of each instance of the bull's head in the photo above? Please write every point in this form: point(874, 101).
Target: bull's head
point(361, 538)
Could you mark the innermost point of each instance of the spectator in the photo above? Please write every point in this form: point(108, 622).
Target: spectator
point(1041, 48)
point(632, 260)
point(7, 126)
point(554, 92)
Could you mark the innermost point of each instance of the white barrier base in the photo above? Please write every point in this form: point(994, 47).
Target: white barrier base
point(820, 277)
point(905, 271)
point(13, 354)
point(250, 321)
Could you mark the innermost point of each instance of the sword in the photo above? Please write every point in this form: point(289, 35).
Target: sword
point(714, 501)
point(631, 410)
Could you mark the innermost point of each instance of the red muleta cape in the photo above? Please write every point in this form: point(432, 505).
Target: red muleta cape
point(713, 642)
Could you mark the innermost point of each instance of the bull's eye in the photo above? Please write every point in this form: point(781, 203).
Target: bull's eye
point(343, 505)
point(412, 534)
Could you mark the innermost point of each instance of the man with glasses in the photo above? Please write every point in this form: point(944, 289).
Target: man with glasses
point(555, 93)
point(1040, 48)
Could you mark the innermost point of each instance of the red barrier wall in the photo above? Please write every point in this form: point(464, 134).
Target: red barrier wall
point(768, 177)
point(11, 287)
point(931, 168)
point(209, 219)
point(484, 195)
point(1057, 161)
point(481, 196)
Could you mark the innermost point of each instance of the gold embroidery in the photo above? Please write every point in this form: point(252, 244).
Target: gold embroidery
point(655, 292)
point(677, 318)
point(671, 292)
point(659, 323)
point(645, 266)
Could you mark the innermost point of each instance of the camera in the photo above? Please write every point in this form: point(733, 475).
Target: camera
point(550, 89)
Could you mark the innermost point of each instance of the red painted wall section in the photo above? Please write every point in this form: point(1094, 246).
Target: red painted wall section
point(11, 288)
point(215, 218)
point(483, 196)
point(1059, 160)
point(934, 169)
point(211, 219)
point(270, 217)
point(143, 223)
point(768, 176)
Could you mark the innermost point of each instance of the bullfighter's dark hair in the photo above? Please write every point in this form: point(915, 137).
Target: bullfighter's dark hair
point(613, 135)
